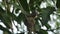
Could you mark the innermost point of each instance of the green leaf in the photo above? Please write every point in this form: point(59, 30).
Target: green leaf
point(31, 5)
point(45, 14)
point(24, 5)
point(5, 29)
point(42, 32)
point(57, 25)
point(5, 18)
point(37, 26)
point(58, 3)
point(1, 10)
point(48, 26)
point(20, 18)
point(38, 3)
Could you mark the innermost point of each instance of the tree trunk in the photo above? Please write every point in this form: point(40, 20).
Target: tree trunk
point(30, 23)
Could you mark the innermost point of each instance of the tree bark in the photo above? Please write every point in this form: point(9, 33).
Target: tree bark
point(30, 23)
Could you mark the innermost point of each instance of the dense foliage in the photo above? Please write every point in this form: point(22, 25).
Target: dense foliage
point(31, 12)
